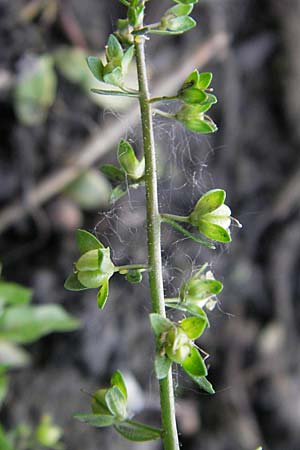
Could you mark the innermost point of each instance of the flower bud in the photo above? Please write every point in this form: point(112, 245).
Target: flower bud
point(178, 345)
point(94, 267)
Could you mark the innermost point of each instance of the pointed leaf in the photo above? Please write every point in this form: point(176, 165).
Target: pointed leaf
point(14, 294)
point(98, 402)
point(192, 96)
point(73, 284)
point(116, 402)
point(87, 241)
point(113, 173)
point(193, 327)
point(137, 432)
point(205, 79)
point(181, 24)
point(114, 49)
point(127, 58)
point(117, 379)
point(200, 126)
point(203, 383)
point(103, 294)
point(115, 77)
point(179, 10)
point(162, 366)
point(159, 323)
point(214, 232)
point(96, 67)
point(96, 420)
point(194, 364)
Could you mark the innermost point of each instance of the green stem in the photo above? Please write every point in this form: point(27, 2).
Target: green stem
point(170, 436)
point(131, 267)
point(162, 99)
point(115, 93)
point(185, 219)
point(163, 114)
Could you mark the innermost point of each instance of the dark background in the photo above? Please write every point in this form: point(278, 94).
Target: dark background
point(254, 336)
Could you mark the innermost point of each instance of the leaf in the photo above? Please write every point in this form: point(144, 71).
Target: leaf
point(162, 366)
point(159, 323)
point(96, 420)
point(203, 383)
point(35, 90)
point(205, 79)
point(192, 96)
point(73, 284)
point(200, 126)
point(25, 324)
point(193, 327)
point(96, 67)
point(127, 59)
point(137, 432)
point(186, 233)
point(114, 49)
point(179, 10)
point(14, 294)
point(112, 172)
point(98, 402)
point(12, 356)
point(90, 191)
point(115, 77)
point(5, 444)
point(181, 24)
point(116, 402)
point(190, 308)
point(103, 294)
point(87, 241)
point(214, 232)
point(210, 201)
point(195, 289)
point(118, 192)
point(129, 162)
point(117, 379)
point(194, 364)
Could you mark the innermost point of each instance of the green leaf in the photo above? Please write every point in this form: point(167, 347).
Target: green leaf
point(96, 420)
point(96, 67)
point(98, 402)
point(192, 96)
point(113, 173)
point(114, 50)
point(210, 201)
point(186, 2)
point(179, 10)
point(127, 59)
point(137, 432)
point(190, 308)
point(12, 356)
point(73, 284)
point(117, 379)
point(116, 402)
point(195, 289)
point(14, 294)
point(214, 232)
point(118, 192)
point(25, 324)
point(162, 366)
point(103, 294)
point(193, 327)
point(90, 191)
point(159, 323)
point(5, 444)
point(115, 77)
point(87, 241)
point(181, 24)
point(205, 79)
point(203, 383)
point(186, 233)
point(134, 276)
point(200, 126)
point(194, 364)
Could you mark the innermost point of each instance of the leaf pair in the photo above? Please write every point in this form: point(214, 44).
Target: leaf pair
point(175, 344)
point(118, 61)
point(176, 20)
point(109, 408)
point(131, 171)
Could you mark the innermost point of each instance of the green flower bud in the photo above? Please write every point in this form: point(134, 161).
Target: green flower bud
point(178, 345)
point(94, 267)
point(201, 291)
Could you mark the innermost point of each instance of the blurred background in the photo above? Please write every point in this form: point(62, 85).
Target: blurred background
point(54, 137)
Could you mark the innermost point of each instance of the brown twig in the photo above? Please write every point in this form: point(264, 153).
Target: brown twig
point(101, 142)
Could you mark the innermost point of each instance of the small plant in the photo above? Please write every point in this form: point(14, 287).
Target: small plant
point(176, 342)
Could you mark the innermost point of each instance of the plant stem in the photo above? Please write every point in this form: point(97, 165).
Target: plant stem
point(163, 114)
point(175, 217)
point(162, 99)
point(170, 436)
point(131, 267)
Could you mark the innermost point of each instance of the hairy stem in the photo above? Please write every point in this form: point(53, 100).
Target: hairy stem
point(170, 436)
